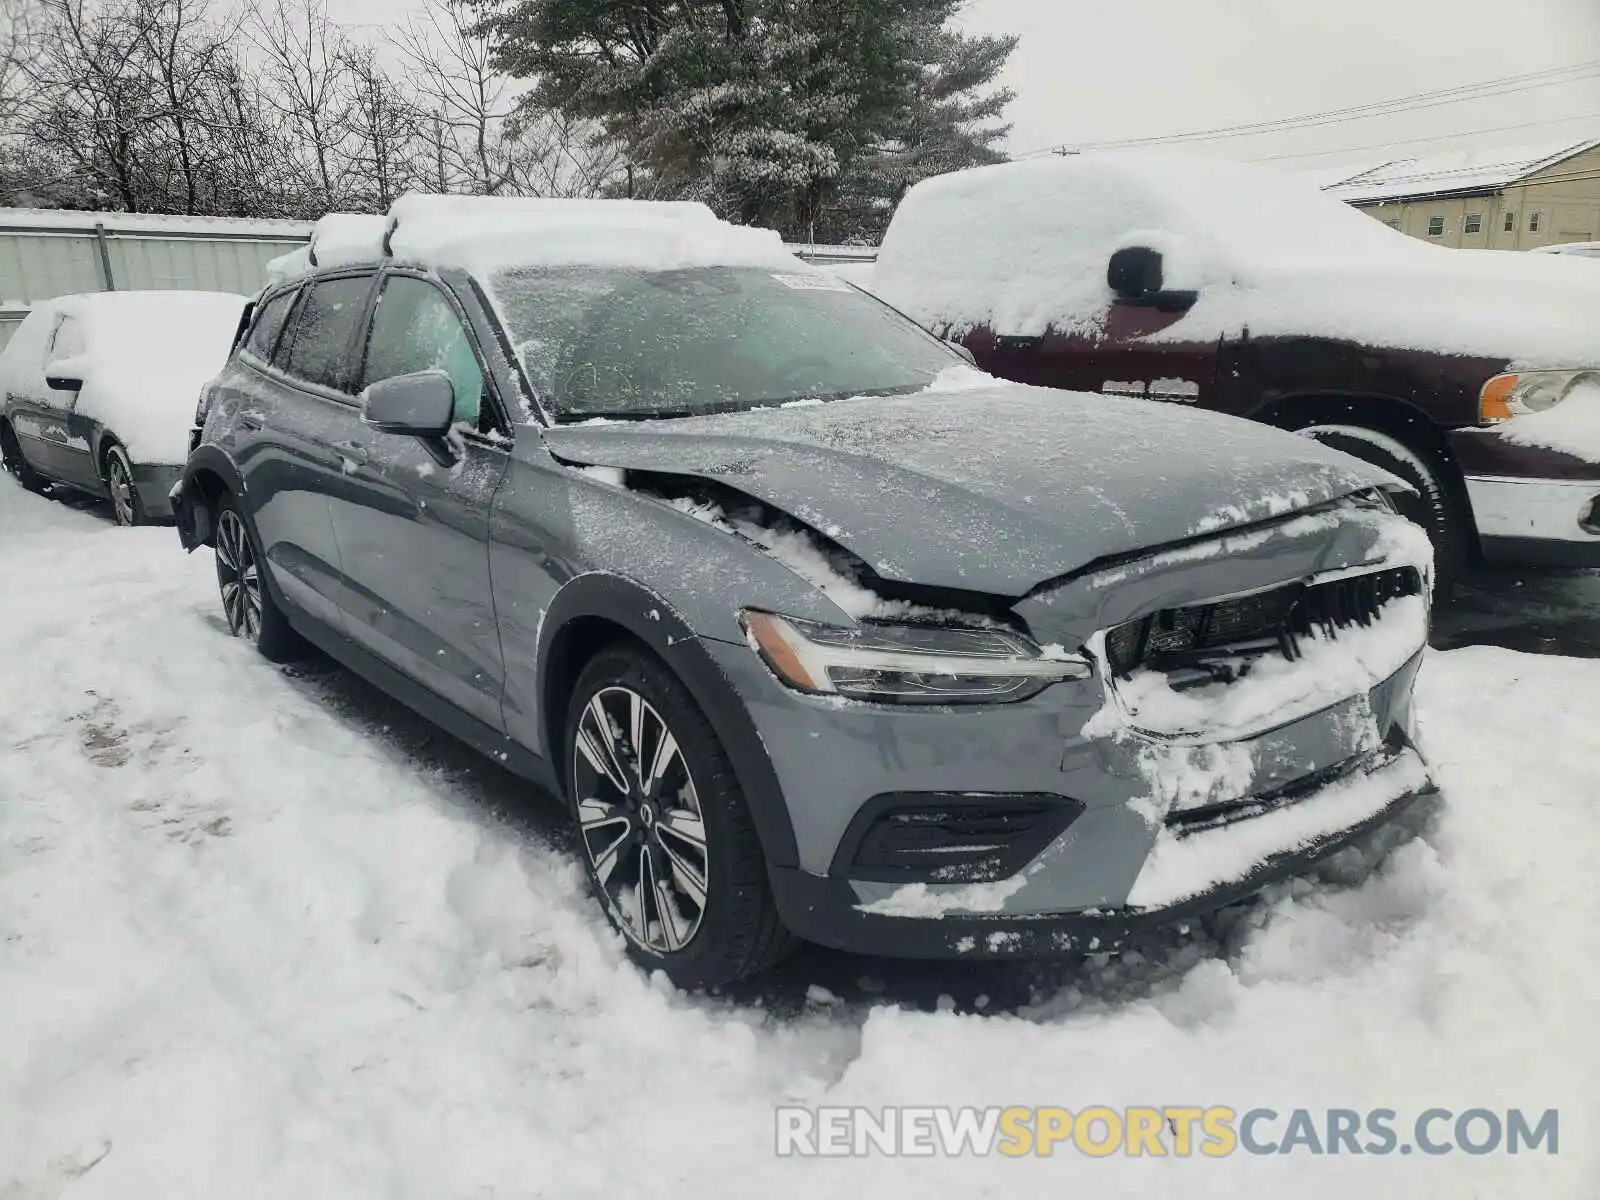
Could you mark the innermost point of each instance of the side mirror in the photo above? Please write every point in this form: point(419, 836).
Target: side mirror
point(420, 405)
point(962, 350)
point(59, 376)
point(1137, 277)
point(1135, 273)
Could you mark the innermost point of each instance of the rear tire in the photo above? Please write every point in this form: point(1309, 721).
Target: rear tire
point(126, 504)
point(16, 465)
point(246, 596)
point(665, 833)
point(1435, 507)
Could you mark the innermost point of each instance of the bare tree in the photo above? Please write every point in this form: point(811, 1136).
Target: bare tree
point(386, 129)
point(16, 27)
point(308, 84)
point(449, 67)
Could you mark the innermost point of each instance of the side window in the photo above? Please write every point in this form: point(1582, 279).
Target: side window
point(417, 329)
point(269, 324)
point(68, 341)
point(328, 318)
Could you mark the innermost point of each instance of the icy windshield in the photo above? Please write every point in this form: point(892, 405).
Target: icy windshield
point(630, 343)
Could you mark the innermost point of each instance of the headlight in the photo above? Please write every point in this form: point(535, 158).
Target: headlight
point(1507, 396)
point(907, 664)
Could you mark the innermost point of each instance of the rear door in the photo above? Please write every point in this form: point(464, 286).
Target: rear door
point(293, 395)
point(414, 533)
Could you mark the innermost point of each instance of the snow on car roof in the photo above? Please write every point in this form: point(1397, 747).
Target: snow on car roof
point(1023, 246)
point(336, 240)
point(490, 235)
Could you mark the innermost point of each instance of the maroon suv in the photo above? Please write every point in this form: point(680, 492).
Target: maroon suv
point(1473, 375)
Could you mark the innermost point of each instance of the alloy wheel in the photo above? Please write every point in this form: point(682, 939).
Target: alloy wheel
point(121, 486)
point(238, 575)
point(640, 820)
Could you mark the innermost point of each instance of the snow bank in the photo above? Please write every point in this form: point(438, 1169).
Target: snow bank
point(1572, 426)
point(250, 942)
point(1023, 247)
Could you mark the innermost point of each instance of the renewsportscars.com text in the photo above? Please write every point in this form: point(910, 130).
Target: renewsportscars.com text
point(1160, 1131)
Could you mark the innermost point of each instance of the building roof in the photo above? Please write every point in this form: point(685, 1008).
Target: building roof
point(1466, 173)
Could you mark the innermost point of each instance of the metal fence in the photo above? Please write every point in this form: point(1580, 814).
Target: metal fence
point(48, 253)
point(44, 254)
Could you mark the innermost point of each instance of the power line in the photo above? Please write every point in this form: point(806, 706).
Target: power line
point(1486, 89)
point(1441, 137)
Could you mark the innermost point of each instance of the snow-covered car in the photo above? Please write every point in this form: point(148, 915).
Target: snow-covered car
point(819, 631)
point(1218, 285)
point(1581, 249)
point(100, 389)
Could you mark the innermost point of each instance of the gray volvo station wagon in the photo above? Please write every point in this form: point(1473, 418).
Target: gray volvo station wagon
point(820, 632)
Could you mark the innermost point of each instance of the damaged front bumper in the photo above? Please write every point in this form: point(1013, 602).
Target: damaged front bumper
point(1092, 823)
point(829, 910)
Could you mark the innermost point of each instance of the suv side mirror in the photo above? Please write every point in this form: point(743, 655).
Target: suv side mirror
point(1135, 273)
point(58, 375)
point(419, 405)
point(1137, 277)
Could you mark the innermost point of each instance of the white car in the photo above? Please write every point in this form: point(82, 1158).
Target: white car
point(100, 391)
point(1581, 249)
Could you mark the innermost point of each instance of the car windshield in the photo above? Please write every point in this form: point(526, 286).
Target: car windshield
point(629, 343)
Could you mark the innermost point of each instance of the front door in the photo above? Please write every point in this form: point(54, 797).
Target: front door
point(413, 533)
point(1115, 360)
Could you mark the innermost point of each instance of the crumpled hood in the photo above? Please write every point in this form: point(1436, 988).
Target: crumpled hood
point(990, 489)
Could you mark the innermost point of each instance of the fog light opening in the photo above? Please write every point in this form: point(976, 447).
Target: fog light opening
point(1589, 518)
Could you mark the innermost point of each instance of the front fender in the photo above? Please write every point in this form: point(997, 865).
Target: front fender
point(649, 618)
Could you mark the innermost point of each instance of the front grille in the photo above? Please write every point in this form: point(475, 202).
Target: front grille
point(958, 838)
point(1271, 622)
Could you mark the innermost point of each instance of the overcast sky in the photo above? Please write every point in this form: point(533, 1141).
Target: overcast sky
point(1092, 70)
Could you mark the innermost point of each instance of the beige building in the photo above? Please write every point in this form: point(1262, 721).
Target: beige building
point(1495, 200)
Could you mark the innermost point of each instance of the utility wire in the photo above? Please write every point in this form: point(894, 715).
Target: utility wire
point(1486, 89)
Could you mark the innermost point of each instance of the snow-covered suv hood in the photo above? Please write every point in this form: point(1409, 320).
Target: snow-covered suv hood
point(1528, 310)
point(993, 489)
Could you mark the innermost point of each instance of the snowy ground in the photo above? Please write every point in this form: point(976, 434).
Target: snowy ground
point(260, 936)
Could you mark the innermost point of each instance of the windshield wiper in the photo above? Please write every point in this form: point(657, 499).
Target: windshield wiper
point(730, 406)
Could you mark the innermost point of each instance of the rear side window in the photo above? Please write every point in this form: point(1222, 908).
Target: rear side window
point(269, 324)
point(416, 329)
point(325, 329)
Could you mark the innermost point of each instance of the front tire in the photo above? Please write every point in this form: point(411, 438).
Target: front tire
point(126, 504)
point(666, 836)
point(246, 599)
point(16, 465)
point(1435, 507)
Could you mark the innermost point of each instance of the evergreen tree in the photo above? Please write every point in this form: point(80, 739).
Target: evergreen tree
point(812, 116)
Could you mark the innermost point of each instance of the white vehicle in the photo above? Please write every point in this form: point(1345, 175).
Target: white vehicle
point(99, 392)
point(1581, 249)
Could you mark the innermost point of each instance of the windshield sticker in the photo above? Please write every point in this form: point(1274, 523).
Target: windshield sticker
point(813, 283)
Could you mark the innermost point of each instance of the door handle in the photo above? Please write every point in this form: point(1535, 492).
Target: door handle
point(355, 452)
point(252, 420)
